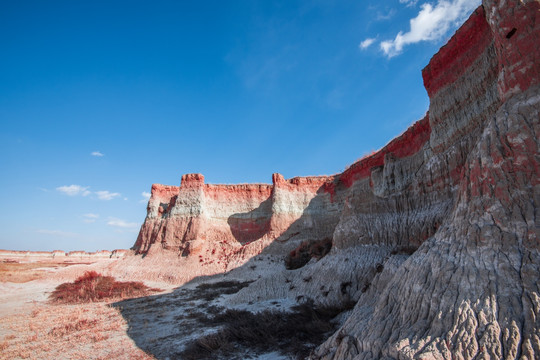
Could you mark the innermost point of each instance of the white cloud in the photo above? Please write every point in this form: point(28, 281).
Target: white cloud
point(146, 197)
point(431, 23)
point(57, 233)
point(122, 223)
point(97, 153)
point(366, 43)
point(408, 2)
point(73, 190)
point(107, 195)
point(90, 218)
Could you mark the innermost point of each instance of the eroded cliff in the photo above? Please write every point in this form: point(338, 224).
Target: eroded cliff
point(434, 237)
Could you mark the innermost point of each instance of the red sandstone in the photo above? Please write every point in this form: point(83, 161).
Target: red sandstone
point(407, 144)
point(458, 54)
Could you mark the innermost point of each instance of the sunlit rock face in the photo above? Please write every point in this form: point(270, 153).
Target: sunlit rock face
point(228, 219)
point(435, 237)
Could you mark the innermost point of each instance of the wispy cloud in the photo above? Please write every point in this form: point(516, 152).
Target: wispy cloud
point(408, 2)
point(122, 223)
point(381, 16)
point(74, 190)
point(107, 195)
point(90, 218)
point(57, 233)
point(97, 153)
point(366, 43)
point(146, 197)
point(431, 23)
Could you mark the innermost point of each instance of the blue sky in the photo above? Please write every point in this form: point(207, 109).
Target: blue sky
point(100, 99)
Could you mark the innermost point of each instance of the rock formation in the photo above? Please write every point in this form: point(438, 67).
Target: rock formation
point(228, 221)
point(435, 237)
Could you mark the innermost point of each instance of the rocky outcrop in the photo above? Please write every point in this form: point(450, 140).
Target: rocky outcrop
point(435, 237)
point(62, 255)
point(228, 221)
point(471, 290)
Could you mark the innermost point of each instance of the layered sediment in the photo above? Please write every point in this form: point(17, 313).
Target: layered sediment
point(60, 254)
point(435, 237)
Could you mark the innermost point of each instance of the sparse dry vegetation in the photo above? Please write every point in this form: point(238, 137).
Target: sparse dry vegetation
point(50, 332)
point(291, 333)
point(93, 286)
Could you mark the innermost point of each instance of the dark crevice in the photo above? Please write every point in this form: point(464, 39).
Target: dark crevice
point(306, 251)
point(511, 33)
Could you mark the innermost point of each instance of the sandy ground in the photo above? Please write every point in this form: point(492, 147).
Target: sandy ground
point(33, 328)
point(158, 326)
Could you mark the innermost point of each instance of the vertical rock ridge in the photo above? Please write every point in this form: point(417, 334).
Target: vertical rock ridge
point(471, 290)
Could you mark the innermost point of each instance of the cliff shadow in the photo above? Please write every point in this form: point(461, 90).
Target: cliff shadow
point(192, 323)
point(252, 225)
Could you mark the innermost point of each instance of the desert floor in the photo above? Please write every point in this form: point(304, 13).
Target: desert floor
point(33, 328)
point(192, 321)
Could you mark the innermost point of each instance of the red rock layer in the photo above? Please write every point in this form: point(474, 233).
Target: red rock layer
point(453, 59)
point(407, 144)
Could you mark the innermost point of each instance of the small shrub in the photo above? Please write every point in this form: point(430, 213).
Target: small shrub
point(92, 287)
point(307, 250)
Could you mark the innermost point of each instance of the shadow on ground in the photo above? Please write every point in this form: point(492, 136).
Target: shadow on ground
point(192, 323)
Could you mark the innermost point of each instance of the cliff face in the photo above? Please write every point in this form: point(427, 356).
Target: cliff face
point(197, 217)
point(471, 290)
point(435, 237)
